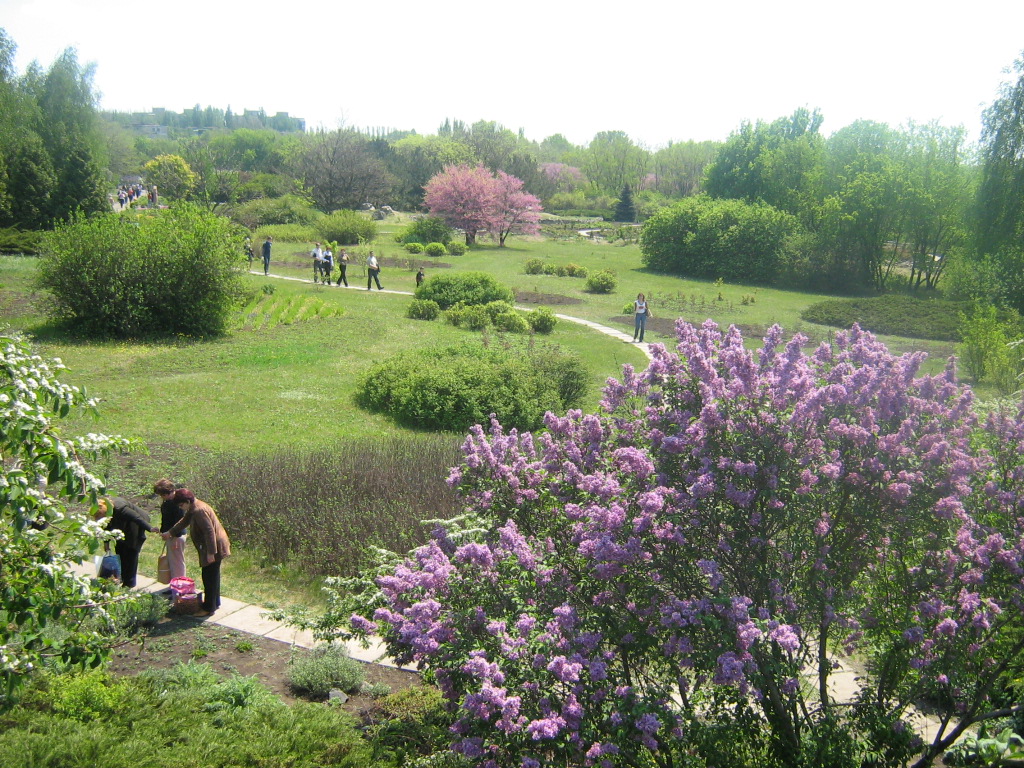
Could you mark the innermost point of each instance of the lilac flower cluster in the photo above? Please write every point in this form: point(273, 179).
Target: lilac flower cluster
point(728, 514)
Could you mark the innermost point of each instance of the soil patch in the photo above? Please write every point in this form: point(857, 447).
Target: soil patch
point(228, 651)
point(547, 299)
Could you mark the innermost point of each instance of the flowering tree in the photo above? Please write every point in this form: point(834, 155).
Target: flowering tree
point(40, 537)
point(679, 574)
point(473, 200)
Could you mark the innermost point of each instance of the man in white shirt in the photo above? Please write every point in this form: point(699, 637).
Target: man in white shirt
point(373, 272)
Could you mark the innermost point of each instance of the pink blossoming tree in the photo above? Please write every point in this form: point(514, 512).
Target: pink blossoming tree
point(681, 575)
point(473, 200)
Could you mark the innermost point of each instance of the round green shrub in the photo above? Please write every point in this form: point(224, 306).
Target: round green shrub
point(423, 309)
point(109, 274)
point(435, 249)
point(324, 668)
point(601, 282)
point(455, 387)
point(575, 270)
point(472, 317)
point(429, 229)
point(287, 209)
point(457, 249)
point(465, 287)
point(542, 320)
point(495, 308)
point(549, 269)
point(414, 247)
point(534, 266)
point(511, 322)
point(347, 228)
point(628, 308)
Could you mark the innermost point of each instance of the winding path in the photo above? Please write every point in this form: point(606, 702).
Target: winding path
point(606, 330)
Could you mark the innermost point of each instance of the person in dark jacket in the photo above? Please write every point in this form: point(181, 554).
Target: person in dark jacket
point(134, 524)
point(170, 514)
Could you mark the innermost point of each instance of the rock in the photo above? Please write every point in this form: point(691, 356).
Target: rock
point(337, 696)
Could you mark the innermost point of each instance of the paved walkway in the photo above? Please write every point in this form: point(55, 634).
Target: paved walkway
point(245, 617)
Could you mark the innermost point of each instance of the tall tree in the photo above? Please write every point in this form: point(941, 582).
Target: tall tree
point(625, 208)
point(612, 160)
point(340, 171)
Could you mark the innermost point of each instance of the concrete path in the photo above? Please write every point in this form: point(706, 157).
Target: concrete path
point(245, 617)
point(606, 330)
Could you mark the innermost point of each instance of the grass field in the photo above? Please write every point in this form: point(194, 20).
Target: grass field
point(286, 375)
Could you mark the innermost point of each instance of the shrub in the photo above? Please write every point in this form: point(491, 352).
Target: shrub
point(495, 308)
point(346, 228)
point(534, 266)
point(575, 270)
point(566, 370)
point(472, 317)
point(896, 314)
point(287, 209)
point(423, 309)
point(414, 247)
point(542, 320)
point(429, 229)
point(457, 249)
point(549, 268)
point(112, 274)
point(511, 322)
point(707, 238)
point(455, 387)
point(628, 308)
point(435, 249)
point(14, 240)
point(465, 287)
point(601, 282)
point(325, 667)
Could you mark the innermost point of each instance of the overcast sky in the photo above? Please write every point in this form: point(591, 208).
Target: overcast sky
point(660, 72)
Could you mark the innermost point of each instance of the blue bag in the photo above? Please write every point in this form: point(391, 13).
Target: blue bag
point(110, 567)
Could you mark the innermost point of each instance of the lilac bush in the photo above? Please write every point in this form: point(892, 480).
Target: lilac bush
point(705, 551)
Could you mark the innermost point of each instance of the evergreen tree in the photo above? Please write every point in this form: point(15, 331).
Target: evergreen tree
point(625, 209)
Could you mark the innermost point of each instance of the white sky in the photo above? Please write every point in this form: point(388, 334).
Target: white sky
point(669, 71)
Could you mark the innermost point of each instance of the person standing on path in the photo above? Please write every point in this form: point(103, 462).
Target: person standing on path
point(420, 277)
point(640, 314)
point(343, 266)
point(133, 523)
point(170, 516)
point(318, 261)
point(328, 264)
point(266, 254)
point(247, 247)
point(372, 272)
point(210, 539)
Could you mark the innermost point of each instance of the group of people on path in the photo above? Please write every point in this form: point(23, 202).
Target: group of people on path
point(180, 512)
point(323, 264)
point(127, 194)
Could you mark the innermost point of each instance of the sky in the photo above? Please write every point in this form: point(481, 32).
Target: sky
point(669, 72)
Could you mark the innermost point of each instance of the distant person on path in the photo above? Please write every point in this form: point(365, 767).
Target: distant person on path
point(210, 539)
point(170, 516)
point(249, 252)
point(156, 197)
point(318, 261)
point(328, 264)
point(343, 266)
point(420, 277)
point(373, 272)
point(266, 254)
point(640, 314)
point(133, 523)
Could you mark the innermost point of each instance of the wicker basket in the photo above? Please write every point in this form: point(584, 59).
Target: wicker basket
point(186, 605)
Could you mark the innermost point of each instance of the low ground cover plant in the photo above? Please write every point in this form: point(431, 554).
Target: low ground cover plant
point(452, 388)
point(326, 667)
point(672, 578)
point(896, 314)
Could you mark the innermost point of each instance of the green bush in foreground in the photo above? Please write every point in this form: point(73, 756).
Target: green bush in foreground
point(435, 249)
point(464, 287)
point(456, 387)
point(413, 247)
point(456, 249)
point(131, 276)
point(542, 320)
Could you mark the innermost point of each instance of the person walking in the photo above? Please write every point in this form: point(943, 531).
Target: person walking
point(343, 267)
point(170, 516)
point(247, 247)
point(328, 264)
point(211, 542)
point(641, 312)
point(133, 523)
point(318, 261)
point(420, 277)
point(372, 272)
point(266, 254)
